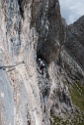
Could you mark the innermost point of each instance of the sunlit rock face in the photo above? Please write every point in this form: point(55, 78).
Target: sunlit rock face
point(32, 35)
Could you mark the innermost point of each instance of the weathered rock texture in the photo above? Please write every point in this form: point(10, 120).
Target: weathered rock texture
point(32, 35)
point(75, 40)
point(74, 46)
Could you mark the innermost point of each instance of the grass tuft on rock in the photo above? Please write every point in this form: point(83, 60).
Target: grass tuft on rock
point(77, 95)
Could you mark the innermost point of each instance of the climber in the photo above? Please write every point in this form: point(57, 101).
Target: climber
point(41, 65)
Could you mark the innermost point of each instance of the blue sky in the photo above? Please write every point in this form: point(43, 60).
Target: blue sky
point(71, 10)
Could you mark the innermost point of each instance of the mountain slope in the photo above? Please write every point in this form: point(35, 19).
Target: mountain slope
point(34, 65)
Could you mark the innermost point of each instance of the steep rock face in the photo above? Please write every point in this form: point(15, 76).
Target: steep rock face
point(18, 46)
point(75, 41)
point(46, 19)
point(72, 54)
point(31, 45)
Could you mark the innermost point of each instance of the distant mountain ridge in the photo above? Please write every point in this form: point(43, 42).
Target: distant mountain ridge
point(75, 40)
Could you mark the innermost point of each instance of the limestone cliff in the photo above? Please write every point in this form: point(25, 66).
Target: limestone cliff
point(75, 40)
point(33, 63)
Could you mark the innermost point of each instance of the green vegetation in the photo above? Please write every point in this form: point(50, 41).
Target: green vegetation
point(77, 96)
point(76, 120)
point(57, 121)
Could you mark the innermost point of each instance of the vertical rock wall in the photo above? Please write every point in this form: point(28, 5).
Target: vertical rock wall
point(31, 84)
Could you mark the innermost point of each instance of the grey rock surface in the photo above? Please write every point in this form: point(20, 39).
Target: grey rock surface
point(32, 61)
point(75, 41)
